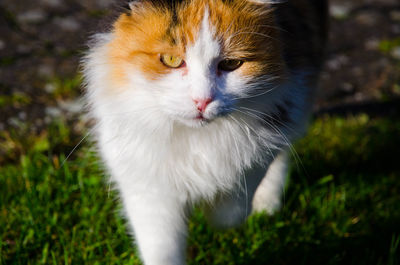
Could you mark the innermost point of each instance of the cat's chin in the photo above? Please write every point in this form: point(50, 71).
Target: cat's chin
point(195, 123)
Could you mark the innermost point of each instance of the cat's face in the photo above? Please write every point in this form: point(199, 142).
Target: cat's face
point(197, 59)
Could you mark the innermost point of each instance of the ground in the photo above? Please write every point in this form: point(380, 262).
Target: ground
point(341, 205)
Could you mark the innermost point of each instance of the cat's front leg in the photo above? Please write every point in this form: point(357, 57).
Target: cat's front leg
point(159, 224)
point(268, 194)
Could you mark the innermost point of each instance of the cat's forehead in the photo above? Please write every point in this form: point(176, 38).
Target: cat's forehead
point(179, 22)
point(227, 28)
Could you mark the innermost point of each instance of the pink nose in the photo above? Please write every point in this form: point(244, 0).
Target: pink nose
point(202, 103)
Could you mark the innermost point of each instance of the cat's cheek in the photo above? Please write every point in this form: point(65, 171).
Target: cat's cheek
point(184, 71)
point(235, 85)
point(177, 105)
point(213, 111)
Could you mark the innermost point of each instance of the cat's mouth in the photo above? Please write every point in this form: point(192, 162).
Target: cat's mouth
point(200, 120)
point(196, 119)
point(200, 117)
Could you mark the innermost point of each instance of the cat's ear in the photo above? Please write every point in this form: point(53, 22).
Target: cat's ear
point(134, 5)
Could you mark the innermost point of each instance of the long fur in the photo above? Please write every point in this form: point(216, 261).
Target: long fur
point(162, 158)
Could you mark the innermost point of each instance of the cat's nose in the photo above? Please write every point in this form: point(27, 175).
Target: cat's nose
point(202, 103)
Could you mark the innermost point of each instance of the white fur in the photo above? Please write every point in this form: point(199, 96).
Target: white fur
point(267, 197)
point(163, 160)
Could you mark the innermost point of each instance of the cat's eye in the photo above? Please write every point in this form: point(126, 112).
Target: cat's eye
point(172, 61)
point(229, 65)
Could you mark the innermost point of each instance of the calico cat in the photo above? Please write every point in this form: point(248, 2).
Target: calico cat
point(196, 103)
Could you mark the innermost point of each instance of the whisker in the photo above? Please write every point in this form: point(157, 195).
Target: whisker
point(273, 118)
point(256, 95)
point(285, 139)
point(75, 147)
point(244, 178)
point(257, 134)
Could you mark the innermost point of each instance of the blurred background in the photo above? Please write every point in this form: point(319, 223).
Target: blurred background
point(343, 198)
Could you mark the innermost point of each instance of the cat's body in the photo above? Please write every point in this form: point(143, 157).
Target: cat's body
point(194, 101)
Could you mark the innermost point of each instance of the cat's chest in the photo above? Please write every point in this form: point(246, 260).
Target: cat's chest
point(208, 158)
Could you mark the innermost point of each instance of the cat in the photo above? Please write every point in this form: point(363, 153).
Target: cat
point(197, 102)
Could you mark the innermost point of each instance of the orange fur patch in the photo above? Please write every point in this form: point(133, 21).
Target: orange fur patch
point(245, 30)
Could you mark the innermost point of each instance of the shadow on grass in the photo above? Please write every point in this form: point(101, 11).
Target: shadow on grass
point(341, 205)
point(350, 185)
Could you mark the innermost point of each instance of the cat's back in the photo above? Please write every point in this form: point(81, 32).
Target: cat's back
point(304, 28)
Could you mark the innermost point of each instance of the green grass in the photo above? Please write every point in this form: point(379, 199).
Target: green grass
point(386, 46)
point(341, 205)
point(16, 99)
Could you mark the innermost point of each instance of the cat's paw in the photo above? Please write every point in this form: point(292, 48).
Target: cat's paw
point(267, 201)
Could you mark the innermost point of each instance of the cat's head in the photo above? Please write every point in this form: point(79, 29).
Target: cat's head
point(198, 59)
